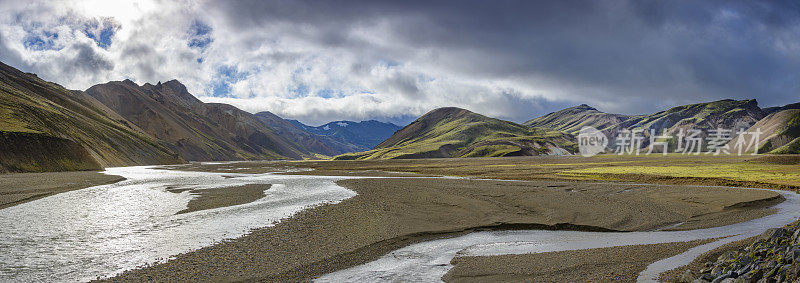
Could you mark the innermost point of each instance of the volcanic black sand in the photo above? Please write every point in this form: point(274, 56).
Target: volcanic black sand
point(391, 213)
point(17, 188)
point(614, 264)
point(222, 197)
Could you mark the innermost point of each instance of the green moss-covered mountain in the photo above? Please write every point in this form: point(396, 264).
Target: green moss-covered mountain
point(770, 110)
point(728, 114)
point(780, 133)
point(572, 119)
point(725, 114)
point(45, 127)
point(195, 130)
point(455, 132)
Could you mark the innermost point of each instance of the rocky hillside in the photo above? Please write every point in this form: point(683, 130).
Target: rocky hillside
point(572, 119)
point(770, 110)
point(195, 130)
point(455, 132)
point(726, 114)
point(364, 135)
point(46, 127)
point(319, 144)
point(780, 133)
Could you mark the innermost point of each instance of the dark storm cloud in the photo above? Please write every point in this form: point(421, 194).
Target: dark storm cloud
point(318, 61)
point(87, 60)
point(145, 57)
point(12, 57)
point(685, 51)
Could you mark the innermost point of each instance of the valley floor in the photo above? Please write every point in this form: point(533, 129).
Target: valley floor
point(603, 193)
point(763, 171)
point(390, 213)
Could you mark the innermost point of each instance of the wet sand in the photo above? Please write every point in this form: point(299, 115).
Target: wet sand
point(392, 213)
point(614, 264)
point(222, 197)
point(18, 188)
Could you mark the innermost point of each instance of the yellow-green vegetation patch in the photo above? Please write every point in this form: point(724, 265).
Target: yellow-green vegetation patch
point(792, 147)
point(758, 173)
point(466, 134)
point(492, 151)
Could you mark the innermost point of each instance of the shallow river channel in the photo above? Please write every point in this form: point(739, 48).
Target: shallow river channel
point(101, 231)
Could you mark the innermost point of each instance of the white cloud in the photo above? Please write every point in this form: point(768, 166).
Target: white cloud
point(285, 68)
point(332, 61)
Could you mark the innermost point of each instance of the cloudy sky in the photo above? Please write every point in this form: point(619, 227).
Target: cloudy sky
point(318, 61)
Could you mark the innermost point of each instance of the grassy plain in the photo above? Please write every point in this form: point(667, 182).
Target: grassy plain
point(762, 171)
point(391, 213)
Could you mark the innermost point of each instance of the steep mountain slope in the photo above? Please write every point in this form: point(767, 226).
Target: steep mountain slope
point(314, 143)
point(250, 133)
point(48, 128)
point(572, 119)
point(770, 110)
point(195, 130)
point(365, 135)
point(725, 114)
point(780, 133)
point(455, 132)
point(728, 114)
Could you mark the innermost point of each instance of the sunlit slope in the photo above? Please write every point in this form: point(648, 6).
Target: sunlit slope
point(65, 130)
point(780, 133)
point(572, 119)
point(455, 132)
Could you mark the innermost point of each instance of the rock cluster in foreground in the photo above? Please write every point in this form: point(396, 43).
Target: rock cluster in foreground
point(772, 257)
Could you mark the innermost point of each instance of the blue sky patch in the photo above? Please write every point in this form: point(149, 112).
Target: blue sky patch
point(103, 38)
point(300, 90)
point(40, 41)
point(329, 93)
point(101, 31)
point(225, 76)
point(200, 35)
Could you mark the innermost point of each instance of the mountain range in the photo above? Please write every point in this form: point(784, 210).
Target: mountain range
point(363, 135)
point(456, 132)
point(45, 127)
point(195, 130)
point(778, 124)
point(322, 145)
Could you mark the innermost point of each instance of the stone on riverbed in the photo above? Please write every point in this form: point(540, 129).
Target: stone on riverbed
point(687, 277)
point(774, 256)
